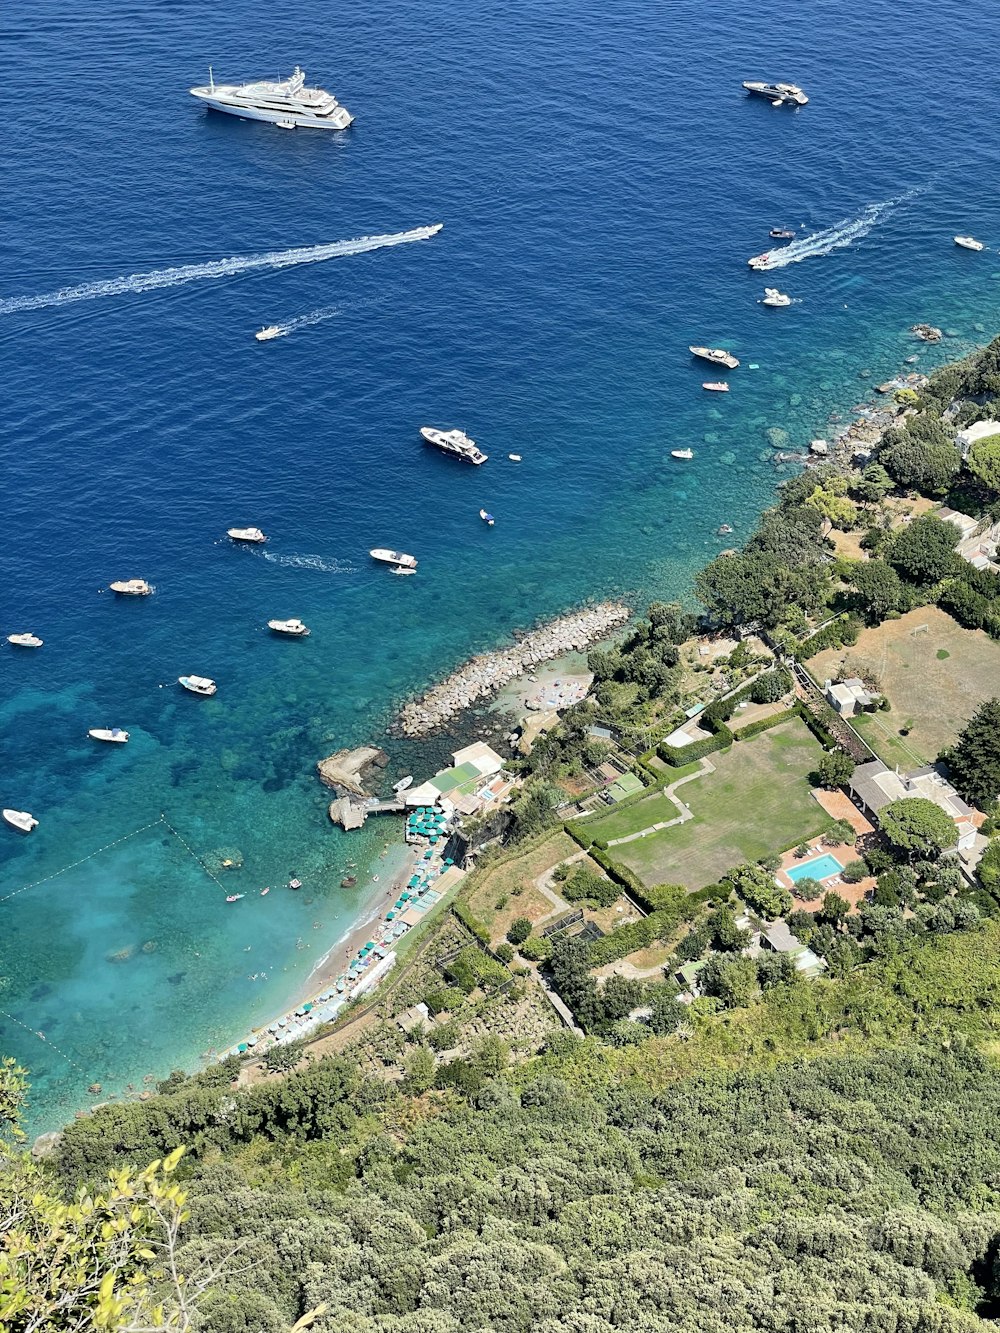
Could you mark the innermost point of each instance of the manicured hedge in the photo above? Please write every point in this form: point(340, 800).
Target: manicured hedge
point(639, 934)
point(688, 754)
point(765, 723)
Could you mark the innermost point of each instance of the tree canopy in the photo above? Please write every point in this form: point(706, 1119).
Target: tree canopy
point(984, 461)
point(974, 760)
point(915, 824)
point(924, 551)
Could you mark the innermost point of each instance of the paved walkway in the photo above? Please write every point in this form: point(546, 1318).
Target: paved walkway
point(544, 886)
point(669, 792)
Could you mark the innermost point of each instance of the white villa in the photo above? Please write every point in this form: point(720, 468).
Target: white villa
point(875, 785)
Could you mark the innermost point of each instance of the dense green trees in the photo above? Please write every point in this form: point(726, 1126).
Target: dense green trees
point(924, 551)
point(759, 890)
point(878, 590)
point(835, 769)
point(984, 461)
point(916, 826)
point(920, 455)
point(974, 761)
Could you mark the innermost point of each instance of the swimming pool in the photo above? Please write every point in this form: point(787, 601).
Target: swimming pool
point(820, 868)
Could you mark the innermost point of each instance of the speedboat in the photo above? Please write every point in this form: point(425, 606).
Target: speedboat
point(198, 684)
point(403, 783)
point(488, 519)
point(234, 897)
point(776, 234)
point(398, 558)
point(113, 734)
point(969, 243)
point(778, 94)
point(514, 458)
point(25, 640)
point(287, 103)
point(716, 355)
point(682, 453)
point(760, 262)
point(775, 298)
point(21, 820)
point(268, 332)
point(131, 587)
point(295, 628)
point(454, 442)
point(716, 386)
point(246, 535)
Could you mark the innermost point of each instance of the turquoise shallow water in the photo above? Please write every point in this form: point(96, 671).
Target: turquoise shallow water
point(602, 181)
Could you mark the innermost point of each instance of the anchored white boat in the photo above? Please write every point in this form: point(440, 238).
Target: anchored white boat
point(716, 386)
point(287, 103)
point(514, 458)
point(25, 640)
point(294, 628)
point(778, 94)
point(487, 518)
point(716, 355)
point(969, 243)
point(198, 684)
point(454, 442)
point(773, 297)
point(253, 535)
point(398, 558)
point(114, 735)
point(403, 783)
point(268, 332)
point(682, 453)
point(131, 587)
point(20, 819)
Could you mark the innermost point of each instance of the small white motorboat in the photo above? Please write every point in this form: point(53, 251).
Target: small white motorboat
point(488, 519)
point(387, 557)
point(253, 535)
point(682, 453)
point(969, 243)
point(198, 684)
point(115, 735)
point(25, 640)
point(773, 297)
point(285, 124)
point(131, 587)
point(716, 386)
point(760, 262)
point(21, 820)
point(716, 355)
point(403, 783)
point(268, 332)
point(514, 458)
point(294, 628)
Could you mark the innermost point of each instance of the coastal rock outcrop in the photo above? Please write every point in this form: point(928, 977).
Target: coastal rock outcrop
point(346, 770)
point(486, 673)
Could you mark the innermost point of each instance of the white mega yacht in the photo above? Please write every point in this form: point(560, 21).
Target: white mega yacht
point(286, 103)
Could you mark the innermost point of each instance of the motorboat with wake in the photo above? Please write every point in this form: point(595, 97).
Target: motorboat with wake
point(781, 234)
point(293, 628)
point(131, 587)
point(760, 262)
point(253, 535)
point(113, 735)
point(268, 332)
point(488, 519)
point(287, 103)
point(25, 640)
point(398, 558)
point(198, 685)
point(716, 355)
point(773, 297)
point(969, 243)
point(716, 386)
point(682, 453)
point(454, 442)
point(21, 820)
point(778, 94)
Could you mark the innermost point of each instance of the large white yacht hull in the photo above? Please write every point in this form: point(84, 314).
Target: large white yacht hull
point(334, 122)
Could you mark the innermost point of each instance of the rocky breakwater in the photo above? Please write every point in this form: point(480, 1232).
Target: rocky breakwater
point(485, 674)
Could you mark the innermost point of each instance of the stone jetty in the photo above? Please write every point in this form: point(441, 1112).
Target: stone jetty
point(347, 770)
point(485, 674)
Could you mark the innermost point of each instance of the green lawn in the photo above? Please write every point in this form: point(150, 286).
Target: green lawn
point(620, 823)
point(758, 801)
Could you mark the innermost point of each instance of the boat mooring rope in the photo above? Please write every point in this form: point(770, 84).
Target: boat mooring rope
point(204, 867)
point(40, 1036)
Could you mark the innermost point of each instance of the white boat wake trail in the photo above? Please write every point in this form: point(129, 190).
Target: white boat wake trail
point(311, 562)
point(216, 268)
point(837, 236)
point(317, 317)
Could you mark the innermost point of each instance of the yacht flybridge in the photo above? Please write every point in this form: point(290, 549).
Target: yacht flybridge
point(778, 94)
point(454, 442)
point(287, 103)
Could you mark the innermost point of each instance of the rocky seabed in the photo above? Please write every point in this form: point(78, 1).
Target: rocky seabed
point(485, 674)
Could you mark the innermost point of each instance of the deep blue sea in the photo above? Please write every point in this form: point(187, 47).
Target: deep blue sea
point(602, 180)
